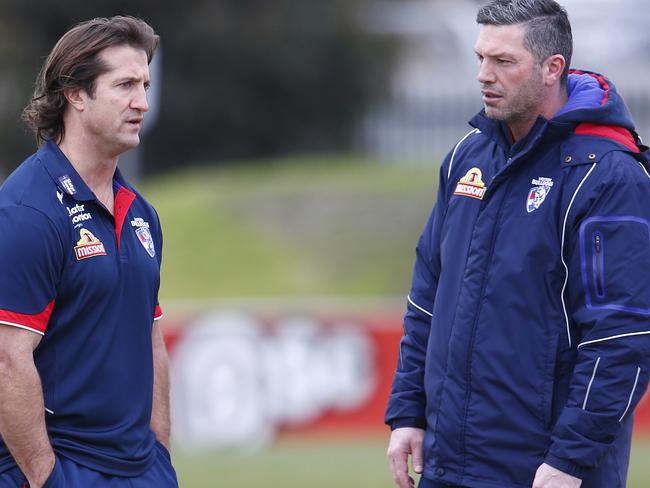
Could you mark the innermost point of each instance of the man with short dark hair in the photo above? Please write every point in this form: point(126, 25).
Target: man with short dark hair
point(83, 367)
point(526, 344)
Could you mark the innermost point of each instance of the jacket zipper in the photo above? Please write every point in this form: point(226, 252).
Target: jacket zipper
point(598, 268)
point(472, 335)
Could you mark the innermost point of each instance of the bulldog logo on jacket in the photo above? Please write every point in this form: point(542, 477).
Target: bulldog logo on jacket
point(537, 194)
point(471, 185)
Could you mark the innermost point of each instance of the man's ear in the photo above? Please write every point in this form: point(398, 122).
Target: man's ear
point(552, 69)
point(76, 98)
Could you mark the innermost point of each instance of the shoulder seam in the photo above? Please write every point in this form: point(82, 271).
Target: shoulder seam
point(453, 154)
point(47, 217)
point(35, 209)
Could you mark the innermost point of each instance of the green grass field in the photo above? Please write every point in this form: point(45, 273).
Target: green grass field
point(297, 227)
point(311, 463)
point(328, 463)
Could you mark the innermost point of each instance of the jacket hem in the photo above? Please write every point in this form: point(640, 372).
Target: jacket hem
point(454, 479)
point(565, 465)
point(400, 422)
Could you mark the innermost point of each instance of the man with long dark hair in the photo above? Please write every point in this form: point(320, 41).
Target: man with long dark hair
point(83, 367)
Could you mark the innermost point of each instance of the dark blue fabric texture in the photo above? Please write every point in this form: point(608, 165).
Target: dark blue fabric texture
point(68, 474)
point(527, 328)
point(59, 245)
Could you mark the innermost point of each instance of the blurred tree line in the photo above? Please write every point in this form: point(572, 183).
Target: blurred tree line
point(240, 78)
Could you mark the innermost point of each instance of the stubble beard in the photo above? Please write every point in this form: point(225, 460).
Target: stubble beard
point(523, 106)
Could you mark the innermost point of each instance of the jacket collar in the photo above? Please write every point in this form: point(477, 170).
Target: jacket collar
point(593, 100)
point(499, 132)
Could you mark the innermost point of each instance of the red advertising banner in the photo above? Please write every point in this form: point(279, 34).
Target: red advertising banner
point(240, 378)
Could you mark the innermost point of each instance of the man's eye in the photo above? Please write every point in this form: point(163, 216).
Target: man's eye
point(503, 61)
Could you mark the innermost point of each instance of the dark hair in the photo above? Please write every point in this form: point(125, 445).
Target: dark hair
point(75, 63)
point(548, 30)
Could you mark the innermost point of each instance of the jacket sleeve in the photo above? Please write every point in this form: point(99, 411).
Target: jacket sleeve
point(406, 404)
point(608, 301)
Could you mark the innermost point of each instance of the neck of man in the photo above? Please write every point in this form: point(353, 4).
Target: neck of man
point(550, 104)
point(95, 167)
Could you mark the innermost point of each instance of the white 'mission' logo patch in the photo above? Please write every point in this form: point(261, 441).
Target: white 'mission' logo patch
point(471, 185)
point(88, 246)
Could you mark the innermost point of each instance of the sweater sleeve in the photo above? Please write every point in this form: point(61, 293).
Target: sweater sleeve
point(31, 259)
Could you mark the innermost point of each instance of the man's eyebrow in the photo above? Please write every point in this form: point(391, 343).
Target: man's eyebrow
point(121, 79)
point(498, 54)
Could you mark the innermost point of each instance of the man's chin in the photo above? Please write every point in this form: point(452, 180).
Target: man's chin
point(126, 144)
point(131, 142)
point(493, 113)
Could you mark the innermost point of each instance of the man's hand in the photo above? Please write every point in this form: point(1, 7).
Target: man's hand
point(41, 472)
point(549, 477)
point(22, 412)
point(405, 441)
point(160, 418)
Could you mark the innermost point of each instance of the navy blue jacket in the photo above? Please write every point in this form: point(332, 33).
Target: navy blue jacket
point(527, 332)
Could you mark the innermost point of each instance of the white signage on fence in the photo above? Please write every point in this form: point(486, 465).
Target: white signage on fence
point(235, 380)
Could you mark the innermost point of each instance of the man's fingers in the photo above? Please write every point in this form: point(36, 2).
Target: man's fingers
point(549, 477)
point(416, 453)
point(405, 442)
point(399, 467)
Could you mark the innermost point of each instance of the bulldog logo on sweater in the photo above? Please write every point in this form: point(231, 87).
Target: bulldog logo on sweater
point(88, 246)
point(144, 236)
point(537, 194)
point(471, 185)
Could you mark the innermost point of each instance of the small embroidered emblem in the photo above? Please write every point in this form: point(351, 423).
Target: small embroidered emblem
point(537, 194)
point(471, 185)
point(67, 185)
point(144, 236)
point(88, 246)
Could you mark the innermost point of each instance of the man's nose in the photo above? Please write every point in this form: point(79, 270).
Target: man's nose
point(140, 100)
point(485, 73)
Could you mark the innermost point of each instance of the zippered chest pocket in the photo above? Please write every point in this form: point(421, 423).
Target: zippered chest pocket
point(614, 259)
